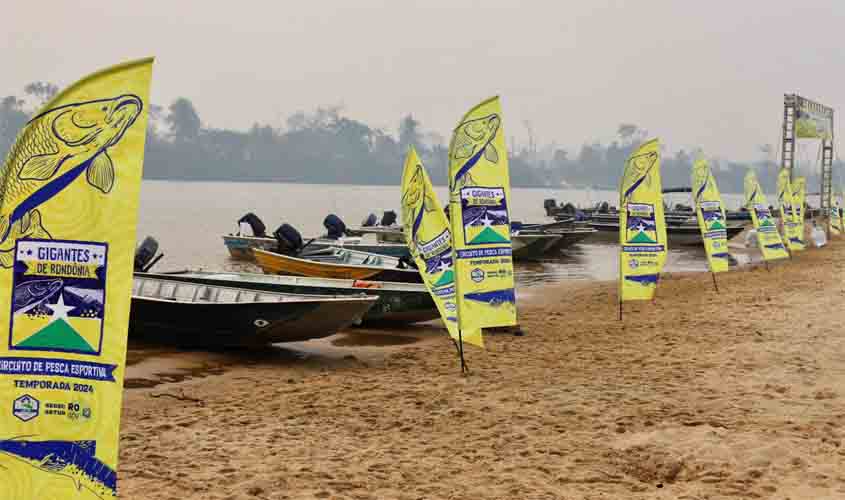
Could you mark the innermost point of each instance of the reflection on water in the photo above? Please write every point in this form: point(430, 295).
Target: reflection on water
point(189, 220)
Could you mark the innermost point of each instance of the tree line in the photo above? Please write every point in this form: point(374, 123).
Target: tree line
point(327, 146)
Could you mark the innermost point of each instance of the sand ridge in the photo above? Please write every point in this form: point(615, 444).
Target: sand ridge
point(697, 395)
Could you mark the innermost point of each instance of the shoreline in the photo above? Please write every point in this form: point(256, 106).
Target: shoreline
point(697, 394)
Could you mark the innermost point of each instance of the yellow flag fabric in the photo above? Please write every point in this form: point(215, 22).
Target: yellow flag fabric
point(710, 212)
point(479, 185)
point(799, 197)
point(642, 226)
point(430, 243)
point(787, 207)
point(836, 215)
point(768, 238)
point(68, 211)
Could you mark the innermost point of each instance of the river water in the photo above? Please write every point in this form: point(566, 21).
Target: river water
point(190, 218)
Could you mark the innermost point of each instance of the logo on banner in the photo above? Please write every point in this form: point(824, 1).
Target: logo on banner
point(711, 211)
point(437, 254)
point(764, 216)
point(485, 216)
point(26, 408)
point(641, 228)
point(58, 301)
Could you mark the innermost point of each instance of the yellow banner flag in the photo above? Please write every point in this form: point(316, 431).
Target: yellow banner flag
point(479, 184)
point(68, 211)
point(787, 207)
point(642, 227)
point(799, 198)
point(430, 243)
point(768, 238)
point(710, 212)
point(836, 215)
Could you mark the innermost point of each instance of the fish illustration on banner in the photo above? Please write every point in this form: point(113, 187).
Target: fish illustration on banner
point(479, 184)
point(768, 237)
point(799, 198)
point(68, 211)
point(710, 212)
point(429, 240)
point(787, 207)
point(642, 227)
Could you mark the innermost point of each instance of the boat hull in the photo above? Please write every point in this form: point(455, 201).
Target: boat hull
point(240, 247)
point(273, 263)
point(394, 306)
point(239, 324)
point(677, 235)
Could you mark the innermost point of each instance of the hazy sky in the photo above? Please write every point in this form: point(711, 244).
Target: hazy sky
point(695, 73)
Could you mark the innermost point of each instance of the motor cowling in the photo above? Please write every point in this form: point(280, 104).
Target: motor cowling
point(389, 218)
point(335, 227)
point(370, 221)
point(145, 253)
point(550, 204)
point(288, 239)
point(258, 228)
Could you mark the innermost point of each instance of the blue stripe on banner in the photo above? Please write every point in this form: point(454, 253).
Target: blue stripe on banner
point(720, 255)
point(485, 252)
point(85, 370)
point(644, 278)
point(494, 297)
point(646, 249)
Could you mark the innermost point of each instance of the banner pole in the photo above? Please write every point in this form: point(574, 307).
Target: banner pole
point(620, 308)
point(461, 352)
point(715, 285)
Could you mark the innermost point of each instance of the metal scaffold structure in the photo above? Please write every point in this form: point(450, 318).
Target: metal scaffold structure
point(806, 119)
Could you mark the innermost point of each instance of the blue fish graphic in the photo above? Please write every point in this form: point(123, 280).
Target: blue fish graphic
point(56, 148)
point(494, 297)
point(473, 139)
point(31, 294)
point(644, 279)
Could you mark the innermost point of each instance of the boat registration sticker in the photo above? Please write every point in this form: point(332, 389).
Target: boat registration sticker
point(58, 302)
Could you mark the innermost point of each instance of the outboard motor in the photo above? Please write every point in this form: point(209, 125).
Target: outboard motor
point(569, 208)
point(335, 227)
point(145, 255)
point(550, 204)
point(258, 227)
point(604, 207)
point(289, 239)
point(370, 221)
point(389, 218)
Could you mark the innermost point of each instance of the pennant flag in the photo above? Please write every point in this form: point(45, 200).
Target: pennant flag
point(711, 216)
point(479, 184)
point(642, 228)
point(430, 242)
point(799, 198)
point(836, 219)
point(791, 233)
point(768, 237)
point(68, 211)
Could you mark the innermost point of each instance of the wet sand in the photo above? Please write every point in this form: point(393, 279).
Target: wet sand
point(697, 395)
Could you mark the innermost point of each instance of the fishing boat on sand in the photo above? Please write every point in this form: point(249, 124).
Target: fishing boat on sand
point(398, 303)
point(529, 241)
point(201, 314)
point(338, 263)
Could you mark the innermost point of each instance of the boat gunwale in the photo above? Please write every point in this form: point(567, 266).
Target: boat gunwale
point(295, 298)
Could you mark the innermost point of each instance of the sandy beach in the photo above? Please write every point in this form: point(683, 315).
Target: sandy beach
point(699, 395)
